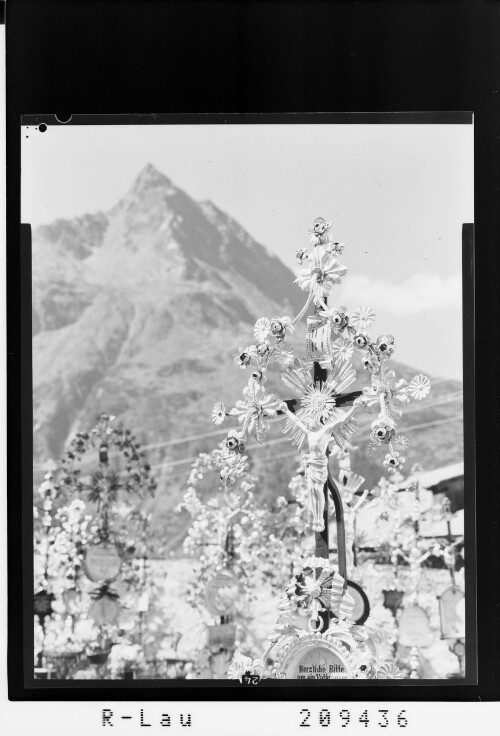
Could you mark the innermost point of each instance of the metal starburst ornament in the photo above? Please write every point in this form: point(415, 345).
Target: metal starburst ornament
point(318, 404)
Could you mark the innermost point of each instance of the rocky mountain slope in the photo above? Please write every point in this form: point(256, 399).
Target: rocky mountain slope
point(139, 311)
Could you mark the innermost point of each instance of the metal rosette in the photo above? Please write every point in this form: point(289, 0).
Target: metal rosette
point(309, 593)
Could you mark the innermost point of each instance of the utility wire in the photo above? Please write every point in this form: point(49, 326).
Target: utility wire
point(280, 440)
point(447, 398)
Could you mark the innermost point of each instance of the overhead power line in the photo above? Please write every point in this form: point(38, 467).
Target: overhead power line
point(412, 428)
point(446, 399)
point(281, 440)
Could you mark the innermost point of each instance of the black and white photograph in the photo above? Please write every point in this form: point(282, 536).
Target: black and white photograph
point(248, 401)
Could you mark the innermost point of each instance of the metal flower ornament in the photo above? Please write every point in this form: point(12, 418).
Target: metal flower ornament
point(320, 414)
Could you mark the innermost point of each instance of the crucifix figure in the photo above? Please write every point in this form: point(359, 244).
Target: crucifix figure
point(415, 559)
point(449, 551)
point(316, 460)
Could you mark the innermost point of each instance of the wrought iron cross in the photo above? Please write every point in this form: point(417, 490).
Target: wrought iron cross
point(320, 375)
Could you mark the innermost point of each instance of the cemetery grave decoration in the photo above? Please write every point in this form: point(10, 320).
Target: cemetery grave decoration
point(388, 523)
point(60, 567)
point(393, 596)
point(144, 623)
point(409, 523)
point(452, 599)
point(44, 597)
point(59, 538)
point(320, 413)
point(452, 619)
point(409, 547)
point(100, 551)
point(122, 479)
point(414, 627)
point(226, 535)
point(141, 580)
point(390, 582)
point(217, 593)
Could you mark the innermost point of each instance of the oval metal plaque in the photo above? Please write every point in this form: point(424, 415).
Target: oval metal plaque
point(314, 657)
point(221, 593)
point(102, 562)
point(105, 611)
point(452, 613)
point(414, 628)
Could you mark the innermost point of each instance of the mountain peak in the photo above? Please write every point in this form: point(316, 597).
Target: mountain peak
point(150, 178)
point(207, 204)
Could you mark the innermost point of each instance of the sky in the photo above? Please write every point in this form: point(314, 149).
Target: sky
point(397, 196)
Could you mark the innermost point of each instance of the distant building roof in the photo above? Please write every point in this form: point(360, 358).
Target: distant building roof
point(432, 478)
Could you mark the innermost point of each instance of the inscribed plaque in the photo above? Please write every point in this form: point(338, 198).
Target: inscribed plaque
point(102, 562)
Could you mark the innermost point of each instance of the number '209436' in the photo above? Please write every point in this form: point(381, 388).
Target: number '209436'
point(381, 718)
